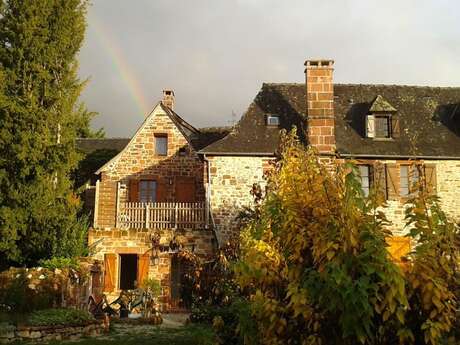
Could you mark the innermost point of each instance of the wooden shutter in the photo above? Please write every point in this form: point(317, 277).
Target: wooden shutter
point(133, 190)
point(370, 126)
point(185, 189)
point(161, 191)
point(395, 127)
point(392, 185)
point(398, 247)
point(110, 265)
point(379, 181)
point(143, 263)
point(430, 178)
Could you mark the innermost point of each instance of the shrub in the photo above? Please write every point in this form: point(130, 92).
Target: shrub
point(153, 286)
point(59, 263)
point(315, 264)
point(20, 298)
point(59, 317)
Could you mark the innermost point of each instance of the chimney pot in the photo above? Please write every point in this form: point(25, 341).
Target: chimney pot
point(168, 98)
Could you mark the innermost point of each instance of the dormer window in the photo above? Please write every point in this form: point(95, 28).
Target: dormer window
point(378, 126)
point(382, 121)
point(273, 120)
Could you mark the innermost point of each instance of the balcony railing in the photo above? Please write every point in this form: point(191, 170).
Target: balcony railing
point(162, 215)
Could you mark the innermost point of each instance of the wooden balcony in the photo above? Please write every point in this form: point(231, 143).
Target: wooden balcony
point(162, 215)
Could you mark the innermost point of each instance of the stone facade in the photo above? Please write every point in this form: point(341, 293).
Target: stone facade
point(141, 161)
point(138, 161)
point(118, 241)
point(447, 187)
point(232, 178)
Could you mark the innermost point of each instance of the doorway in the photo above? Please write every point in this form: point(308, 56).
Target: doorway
point(181, 284)
point(128, 271)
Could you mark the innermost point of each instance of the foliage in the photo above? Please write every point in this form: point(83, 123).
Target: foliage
point(315, 260)
point(218, 299)
point(89, 164)
point(20, 298)
point(59, 263)
point(41, 117)
point(433, 278)
point(152, 286)
point(55, 317)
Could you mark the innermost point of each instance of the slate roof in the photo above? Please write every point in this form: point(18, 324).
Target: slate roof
point(251, 136)
point(89, 145)
point(429, 120)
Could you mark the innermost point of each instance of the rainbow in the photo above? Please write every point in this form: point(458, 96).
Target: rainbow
point(120, 64)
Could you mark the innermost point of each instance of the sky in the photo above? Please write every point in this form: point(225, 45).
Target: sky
point(215, 54)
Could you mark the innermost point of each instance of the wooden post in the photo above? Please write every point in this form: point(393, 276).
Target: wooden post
point(147, 215)
point(96, 205)
point(176, 214)
point(117, 206)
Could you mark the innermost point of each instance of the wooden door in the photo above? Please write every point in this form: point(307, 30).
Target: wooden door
point(185, 189)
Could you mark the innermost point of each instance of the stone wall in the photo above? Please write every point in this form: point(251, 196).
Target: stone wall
point(138, 161)
point(48, 333)
point(138, 242)
point(232, 178)
point(447, 189)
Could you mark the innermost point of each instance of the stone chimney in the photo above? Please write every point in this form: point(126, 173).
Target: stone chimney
point(168, 98)
point(320, 105)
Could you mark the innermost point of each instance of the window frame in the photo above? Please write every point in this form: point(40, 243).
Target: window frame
point(369, 178)
point(154, 189)
point(413, 170)
point(156, 138)
point(269, 117)
point(378, 117)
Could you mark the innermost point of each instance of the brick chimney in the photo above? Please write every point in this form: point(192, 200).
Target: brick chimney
point(168, 98)
point(320, 104)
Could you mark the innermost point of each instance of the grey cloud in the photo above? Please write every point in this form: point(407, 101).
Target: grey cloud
point(216, 53)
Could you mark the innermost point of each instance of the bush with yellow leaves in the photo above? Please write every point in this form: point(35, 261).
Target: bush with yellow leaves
point(315, 262)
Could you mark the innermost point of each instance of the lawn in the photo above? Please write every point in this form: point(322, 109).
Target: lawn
point(193, 334)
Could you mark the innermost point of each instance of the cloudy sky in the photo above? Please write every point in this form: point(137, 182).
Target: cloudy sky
point(216, 54)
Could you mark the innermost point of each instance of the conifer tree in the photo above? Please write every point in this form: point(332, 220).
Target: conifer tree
point(40, 117)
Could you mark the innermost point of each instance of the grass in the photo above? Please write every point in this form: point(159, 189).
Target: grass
point(194, 334)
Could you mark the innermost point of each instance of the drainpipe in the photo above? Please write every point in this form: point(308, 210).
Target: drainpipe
point(208, 200)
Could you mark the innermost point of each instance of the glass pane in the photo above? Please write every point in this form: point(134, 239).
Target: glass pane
point(161, 146)
point(364, 176)
point(404, 180)
point(147, 191)
point(381, 127)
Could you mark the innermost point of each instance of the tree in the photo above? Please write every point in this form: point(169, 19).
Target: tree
point(315, 263)
point(41, 117)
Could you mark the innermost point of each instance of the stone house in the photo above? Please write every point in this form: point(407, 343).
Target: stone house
point(394, 133)
point(174, 187)
point(149, 204)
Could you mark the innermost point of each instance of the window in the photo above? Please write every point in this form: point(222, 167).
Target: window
point(378, 126)
point(147, 191)
point(183, 151)
point(161, 145)
point(409, 176)
point(365, 176)
point(382, 126)
point(273, 120)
